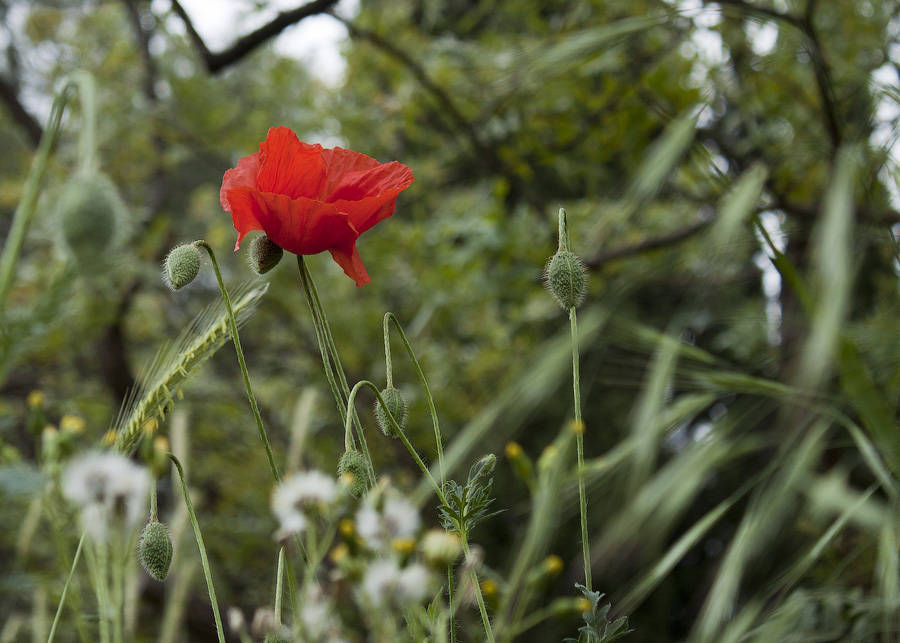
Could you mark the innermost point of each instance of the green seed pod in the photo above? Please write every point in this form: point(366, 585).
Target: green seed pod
point(155, 550)
point(89, 213)
point(567, 279)
point(396, 406)
point(264, 254)
point(182, 265)
point(352, 468)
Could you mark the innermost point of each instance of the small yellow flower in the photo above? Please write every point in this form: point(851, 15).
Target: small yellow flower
point(338, 553)
point(149, 427)
point(72, 424)
point(577, 427)
point(35, 399)
point(404, 545)
point(584, 605)
point(347, 528)
point(553, 564)
point(489, 588)
point(108, 438)
point(513, 450)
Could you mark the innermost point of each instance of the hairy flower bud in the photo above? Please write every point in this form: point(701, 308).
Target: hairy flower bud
point(566, 278)
point(89, 213)
point(352, 469)
point(396, 406)
point(264, 254)
point(155, 550)
point(182, 265)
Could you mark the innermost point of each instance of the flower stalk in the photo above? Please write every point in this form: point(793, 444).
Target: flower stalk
point(240, 355)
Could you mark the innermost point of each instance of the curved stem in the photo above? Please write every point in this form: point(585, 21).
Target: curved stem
point(199, 537)
point(240, 355)
point(388, 365)
point(579, 445)
point(396, 428)
point(412, 356)
point(87, 142)
point(62, 598)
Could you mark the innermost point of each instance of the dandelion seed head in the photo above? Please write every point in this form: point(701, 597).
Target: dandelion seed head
point(109, 490)
point(301, 496)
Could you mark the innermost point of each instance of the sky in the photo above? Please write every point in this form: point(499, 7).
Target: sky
point(315, 40)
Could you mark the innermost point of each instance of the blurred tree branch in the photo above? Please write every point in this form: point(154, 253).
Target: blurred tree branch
point(216, 61)
point(650, 243)
point(10, 96)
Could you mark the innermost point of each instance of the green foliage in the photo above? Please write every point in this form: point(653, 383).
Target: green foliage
point(468, 505)
point(597, 628)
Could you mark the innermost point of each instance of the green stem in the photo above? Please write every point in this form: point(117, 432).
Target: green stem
point(62, 598)
point(330, 356)
point(240, 355)
point(204, 561)
point(412, 356)
point(579, 445)
point(153, 511)
point(450, 603)
point(563, 231)
point(87, 143)
point(101, 587)
point(473, 576)
point(28, 205)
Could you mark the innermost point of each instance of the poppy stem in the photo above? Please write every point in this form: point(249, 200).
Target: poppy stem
point(334, 370)
point(240, 355)
point(579, 446)
point(390, 317)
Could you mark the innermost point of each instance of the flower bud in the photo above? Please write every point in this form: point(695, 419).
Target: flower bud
point(483, 467)
point(182, 265)
point(352, 470)
point(264, 254)
point(441, 548)
point(566, 278)
point(155, 550)
point(396, 406)
point(88, 212)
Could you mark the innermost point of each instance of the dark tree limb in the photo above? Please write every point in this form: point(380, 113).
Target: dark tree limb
point(650, 243)
point(10, 98)
point(217, 61)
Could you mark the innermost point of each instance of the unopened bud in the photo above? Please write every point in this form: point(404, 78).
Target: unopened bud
point(353, 471)
point(567, 279)
point(155, 550)
point(88, 212)
point(483, 467)
point(264, 254)
point(182, 265)
point(396, 407)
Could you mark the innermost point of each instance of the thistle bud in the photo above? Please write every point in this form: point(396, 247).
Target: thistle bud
point(182, 265)
point(88, 212)
point(264, 254)
point(352, 470)
point(155, 550)
point(396, 407)
point(565, 275)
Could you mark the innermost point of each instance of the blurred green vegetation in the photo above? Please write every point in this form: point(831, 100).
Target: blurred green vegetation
point(741, 411)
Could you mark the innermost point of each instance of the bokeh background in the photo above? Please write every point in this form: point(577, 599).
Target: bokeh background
point(730, 181)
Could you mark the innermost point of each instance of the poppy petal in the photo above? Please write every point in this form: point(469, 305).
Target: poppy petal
point(347, 257)
point(244, 174)
point(365, 213)
point(339, 163)
point(290, 167)
point(302, 226)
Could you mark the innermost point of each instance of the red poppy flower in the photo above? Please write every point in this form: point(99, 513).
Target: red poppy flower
point(308, 199)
